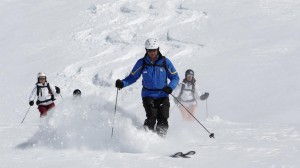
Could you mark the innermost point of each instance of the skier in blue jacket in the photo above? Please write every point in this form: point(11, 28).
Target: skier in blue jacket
point(156, 70)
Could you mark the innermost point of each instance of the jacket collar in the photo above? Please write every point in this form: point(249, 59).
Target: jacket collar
point(158, 57)
point(40, 84)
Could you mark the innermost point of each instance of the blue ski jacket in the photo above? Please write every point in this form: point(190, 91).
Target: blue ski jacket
point(155, 76)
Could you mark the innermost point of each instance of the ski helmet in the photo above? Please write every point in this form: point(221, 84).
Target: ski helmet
point(76, 93)
point(41, 75)
point(189, 72)
point(151, 43)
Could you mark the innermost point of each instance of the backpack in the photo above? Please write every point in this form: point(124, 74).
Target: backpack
point(38, 88)
point(183, 88)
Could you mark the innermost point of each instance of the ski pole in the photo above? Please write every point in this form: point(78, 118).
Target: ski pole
point(211, 135)
point(25, 114)
point(61, 96)
point(206, 110)
point(112, 129)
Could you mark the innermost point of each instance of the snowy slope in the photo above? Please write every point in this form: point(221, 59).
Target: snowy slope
point(243, 52)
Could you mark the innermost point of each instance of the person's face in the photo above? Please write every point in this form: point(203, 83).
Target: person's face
point(189, 77)
point(152, 53)
point(42, 80)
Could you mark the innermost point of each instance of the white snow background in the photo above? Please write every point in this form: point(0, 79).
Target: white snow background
point(244, 53)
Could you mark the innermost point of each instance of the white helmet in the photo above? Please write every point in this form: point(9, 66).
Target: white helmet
point(41, 74)
point(151, 43)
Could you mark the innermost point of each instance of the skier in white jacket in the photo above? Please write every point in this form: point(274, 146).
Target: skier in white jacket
point(187, 93)
point(45, 94)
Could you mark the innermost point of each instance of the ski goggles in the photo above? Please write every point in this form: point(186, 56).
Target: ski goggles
point(151, 50)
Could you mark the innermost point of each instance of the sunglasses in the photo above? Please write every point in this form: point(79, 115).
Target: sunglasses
point(190, 76)
point(151, 50)
point(42, 78)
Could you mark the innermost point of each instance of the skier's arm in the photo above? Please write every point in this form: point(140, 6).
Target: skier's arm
point(135, 74)
point(33, 94)
point(53, 90)
point(199, 95)
point(177, 90)
point(172, 74)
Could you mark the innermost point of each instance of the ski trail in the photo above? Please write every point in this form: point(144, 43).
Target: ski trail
point(120, 40)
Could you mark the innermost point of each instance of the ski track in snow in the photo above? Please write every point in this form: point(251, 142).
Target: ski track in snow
point(122, 30)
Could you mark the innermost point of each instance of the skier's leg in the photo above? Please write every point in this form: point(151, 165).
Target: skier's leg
point(50, 106)
point(163, 105)
point(43, 110)
point(184, 113)
point(192, 109)
point(151, 112)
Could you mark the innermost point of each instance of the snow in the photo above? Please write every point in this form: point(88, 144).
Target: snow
point(244, 53)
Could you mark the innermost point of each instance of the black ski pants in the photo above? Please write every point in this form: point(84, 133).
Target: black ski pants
point(157, 110)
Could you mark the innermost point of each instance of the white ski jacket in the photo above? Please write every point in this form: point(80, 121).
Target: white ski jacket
point(187, 94)
point(44, 94)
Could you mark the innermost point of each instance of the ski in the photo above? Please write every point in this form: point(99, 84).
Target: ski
point(176, 155)
point(183, 155)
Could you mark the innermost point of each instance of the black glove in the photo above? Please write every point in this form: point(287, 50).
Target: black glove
point(31, 103)
point(38, 102)
point(119, 84)
point(204, 96)
point(57, 90)
point(167, 89)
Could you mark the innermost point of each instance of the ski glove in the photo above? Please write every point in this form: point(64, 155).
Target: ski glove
point(57, 90)
point(119, 84)
point(167, 89)
point(31, 103)
point(38, 102)
point(204, 96)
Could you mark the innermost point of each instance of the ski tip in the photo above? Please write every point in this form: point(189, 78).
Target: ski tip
point(212, 135)
point(190, 153)
point(183, 155)
point(176, 155)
